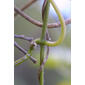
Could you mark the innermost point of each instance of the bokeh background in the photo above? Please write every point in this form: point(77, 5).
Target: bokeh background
point(58, 66)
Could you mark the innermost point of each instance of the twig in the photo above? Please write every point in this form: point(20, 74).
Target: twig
point(25, 52)
point(37, 23)
point(26, 6)
point(20, 60)
point(23, 37)
point(20, 48)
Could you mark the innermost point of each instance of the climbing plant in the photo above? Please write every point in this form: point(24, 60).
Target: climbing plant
point(44, 39)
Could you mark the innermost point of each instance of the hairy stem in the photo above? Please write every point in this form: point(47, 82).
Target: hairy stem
point(45, 19)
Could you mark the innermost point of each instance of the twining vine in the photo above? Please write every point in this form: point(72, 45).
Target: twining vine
point(44, 39)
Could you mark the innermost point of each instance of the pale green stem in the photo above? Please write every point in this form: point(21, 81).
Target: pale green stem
point(63, 26)
point(43, 39)
point(25, 58)
point(21, 60)
point(63, 29)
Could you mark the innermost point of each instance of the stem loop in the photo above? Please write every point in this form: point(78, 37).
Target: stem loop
point(63, 29)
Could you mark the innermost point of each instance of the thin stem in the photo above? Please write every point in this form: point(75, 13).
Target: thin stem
point(26, 6)
point(37, 23)
point(23, 37)
point(47, 53)
point(26, 57)
point(63, 29)
point(21, 60)
point(45, 19)
point(63, 26)
point(44, 61)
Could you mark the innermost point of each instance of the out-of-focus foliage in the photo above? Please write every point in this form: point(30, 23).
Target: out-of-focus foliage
point(64, 83)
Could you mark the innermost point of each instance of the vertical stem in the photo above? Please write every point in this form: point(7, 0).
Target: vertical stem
point(45, 19)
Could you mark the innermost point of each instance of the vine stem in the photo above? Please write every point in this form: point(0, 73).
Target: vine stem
point(45, 19)
point(63, 29)
point(38, 23)
point(26, 6)
point(25, 58)
point(63, 26)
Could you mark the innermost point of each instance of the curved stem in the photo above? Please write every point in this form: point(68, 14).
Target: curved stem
point(38, 23)
point(63, 29)
point(26, 6)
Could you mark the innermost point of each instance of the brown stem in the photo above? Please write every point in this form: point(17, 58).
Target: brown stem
point(24, 51)
point(37, 23)
point(23, 37)
point(26, 6)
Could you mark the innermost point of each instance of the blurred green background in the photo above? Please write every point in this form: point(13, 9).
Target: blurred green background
point(58, 66)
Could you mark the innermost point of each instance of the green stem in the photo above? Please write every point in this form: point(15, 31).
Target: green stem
point(21, 60)
point(63, 26)
point(63, 29)
point(45, 19)
point(25, 58)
